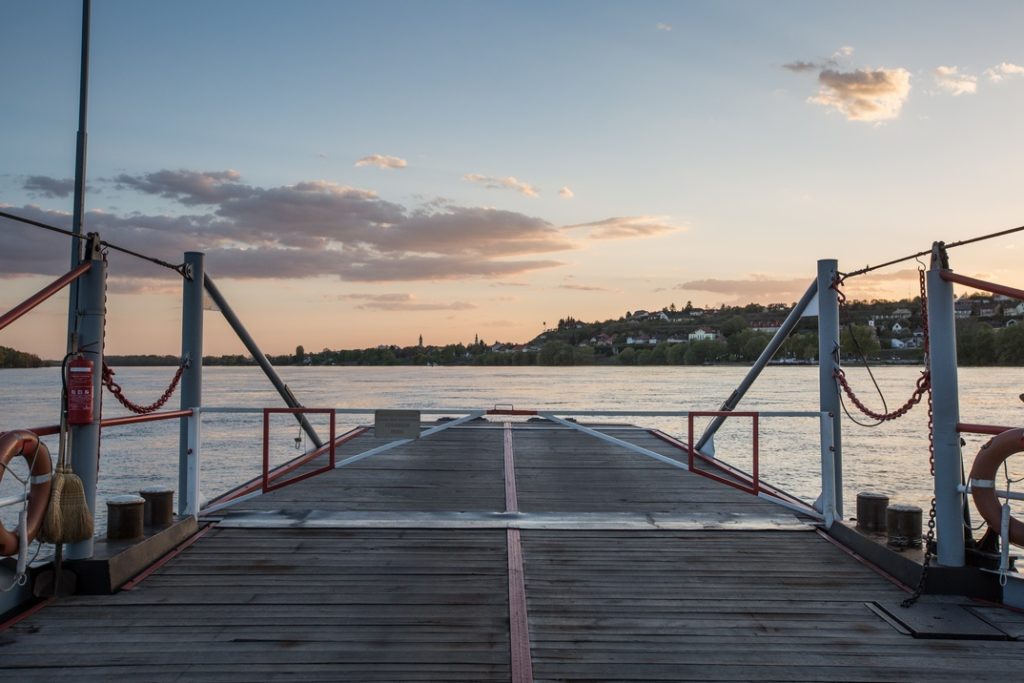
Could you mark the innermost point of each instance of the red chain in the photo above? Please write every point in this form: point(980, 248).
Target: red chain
point(924, 382)
point(115, 389)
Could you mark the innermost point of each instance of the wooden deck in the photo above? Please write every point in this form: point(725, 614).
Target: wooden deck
point(404, 566)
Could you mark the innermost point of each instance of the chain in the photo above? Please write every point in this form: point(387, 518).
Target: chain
point(929, 541)
point(118, 392)
point(924, 384)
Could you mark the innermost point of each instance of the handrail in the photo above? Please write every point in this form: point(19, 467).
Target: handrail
point(950, 276)
point(43, 294)
point(993, 430)
point(117, 421)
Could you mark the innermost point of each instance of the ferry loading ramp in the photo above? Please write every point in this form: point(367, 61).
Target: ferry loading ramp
point(507, 552)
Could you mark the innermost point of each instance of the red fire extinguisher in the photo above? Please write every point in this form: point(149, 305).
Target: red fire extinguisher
point(80, 391)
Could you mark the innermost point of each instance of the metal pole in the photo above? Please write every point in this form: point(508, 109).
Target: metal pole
point(828, 363)
point(769, 352)
point(188, 504)
point(78, 208)
point(945, 413)
point(85, 439)
point(192, 378)
point(827, 502)
point(261, 360)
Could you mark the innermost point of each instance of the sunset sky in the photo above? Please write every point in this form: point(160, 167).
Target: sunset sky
point(361, 173)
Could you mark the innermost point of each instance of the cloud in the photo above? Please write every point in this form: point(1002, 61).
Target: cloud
point(54, 188)
point(762, 288)
point(404, 302)
point(584, 288)
point(309, 229)
point(864, 94)
point(191, 188)
point(800, 67)
point(662, 26)
point(506, 183)
point(565, 192)
point(625, 227)
point(382, 161)
point(951, 80)
point(1003, 70)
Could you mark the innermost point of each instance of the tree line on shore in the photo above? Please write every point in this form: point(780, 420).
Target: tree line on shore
point(660, 338)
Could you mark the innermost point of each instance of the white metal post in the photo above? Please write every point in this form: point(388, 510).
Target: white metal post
point(85, 439)
point(828, 363)
point(827, 501)
point(189, 501)
point(949, 501)
point(192, 354)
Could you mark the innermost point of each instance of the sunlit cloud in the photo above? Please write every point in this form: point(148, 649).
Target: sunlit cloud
point(506, 183)
point(382, 161)
point(864, 94)
point(404, 302)
point(952, 81)
point(1004, 70)
point(54, 188)
point(308, 229)
point(566, 193)
point(625, 227)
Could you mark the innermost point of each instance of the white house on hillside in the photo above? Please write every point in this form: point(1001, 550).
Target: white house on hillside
point(700, 334)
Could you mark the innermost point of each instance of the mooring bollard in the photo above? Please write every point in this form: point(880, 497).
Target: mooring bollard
point(904, 526)
point(159, 510)
point(124, 517)
point(871, 512)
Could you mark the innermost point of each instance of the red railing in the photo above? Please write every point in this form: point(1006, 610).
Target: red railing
point(755, 477)
point(117, 421)
point(267, 486)
point(950, 276)
point(967, 428)
point(43, 294)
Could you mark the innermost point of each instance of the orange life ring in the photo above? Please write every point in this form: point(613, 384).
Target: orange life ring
point(27, 445)
point(983, 480)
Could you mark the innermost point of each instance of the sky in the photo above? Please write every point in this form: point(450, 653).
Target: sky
point(362, 173)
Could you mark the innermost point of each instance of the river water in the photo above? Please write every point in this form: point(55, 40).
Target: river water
point(891, 459)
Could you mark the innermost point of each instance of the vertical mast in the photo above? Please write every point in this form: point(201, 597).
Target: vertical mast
point(78, 209)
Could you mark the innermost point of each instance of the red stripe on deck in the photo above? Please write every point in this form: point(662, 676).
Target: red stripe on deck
point(518, 623)
point(26, 614)
point(519, 627)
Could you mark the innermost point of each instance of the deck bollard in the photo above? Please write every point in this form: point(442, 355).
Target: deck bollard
point(124, 517)
point(871, 513)
point(904, 526)
point(159, 509)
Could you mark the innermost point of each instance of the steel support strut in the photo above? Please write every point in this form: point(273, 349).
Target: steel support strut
point(85, 439)
point(949, 502)
point(828, 364)
point(191, 379)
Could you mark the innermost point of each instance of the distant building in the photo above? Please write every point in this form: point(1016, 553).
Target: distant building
point(765, 326)
point(700, 334)
point(902, 313)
